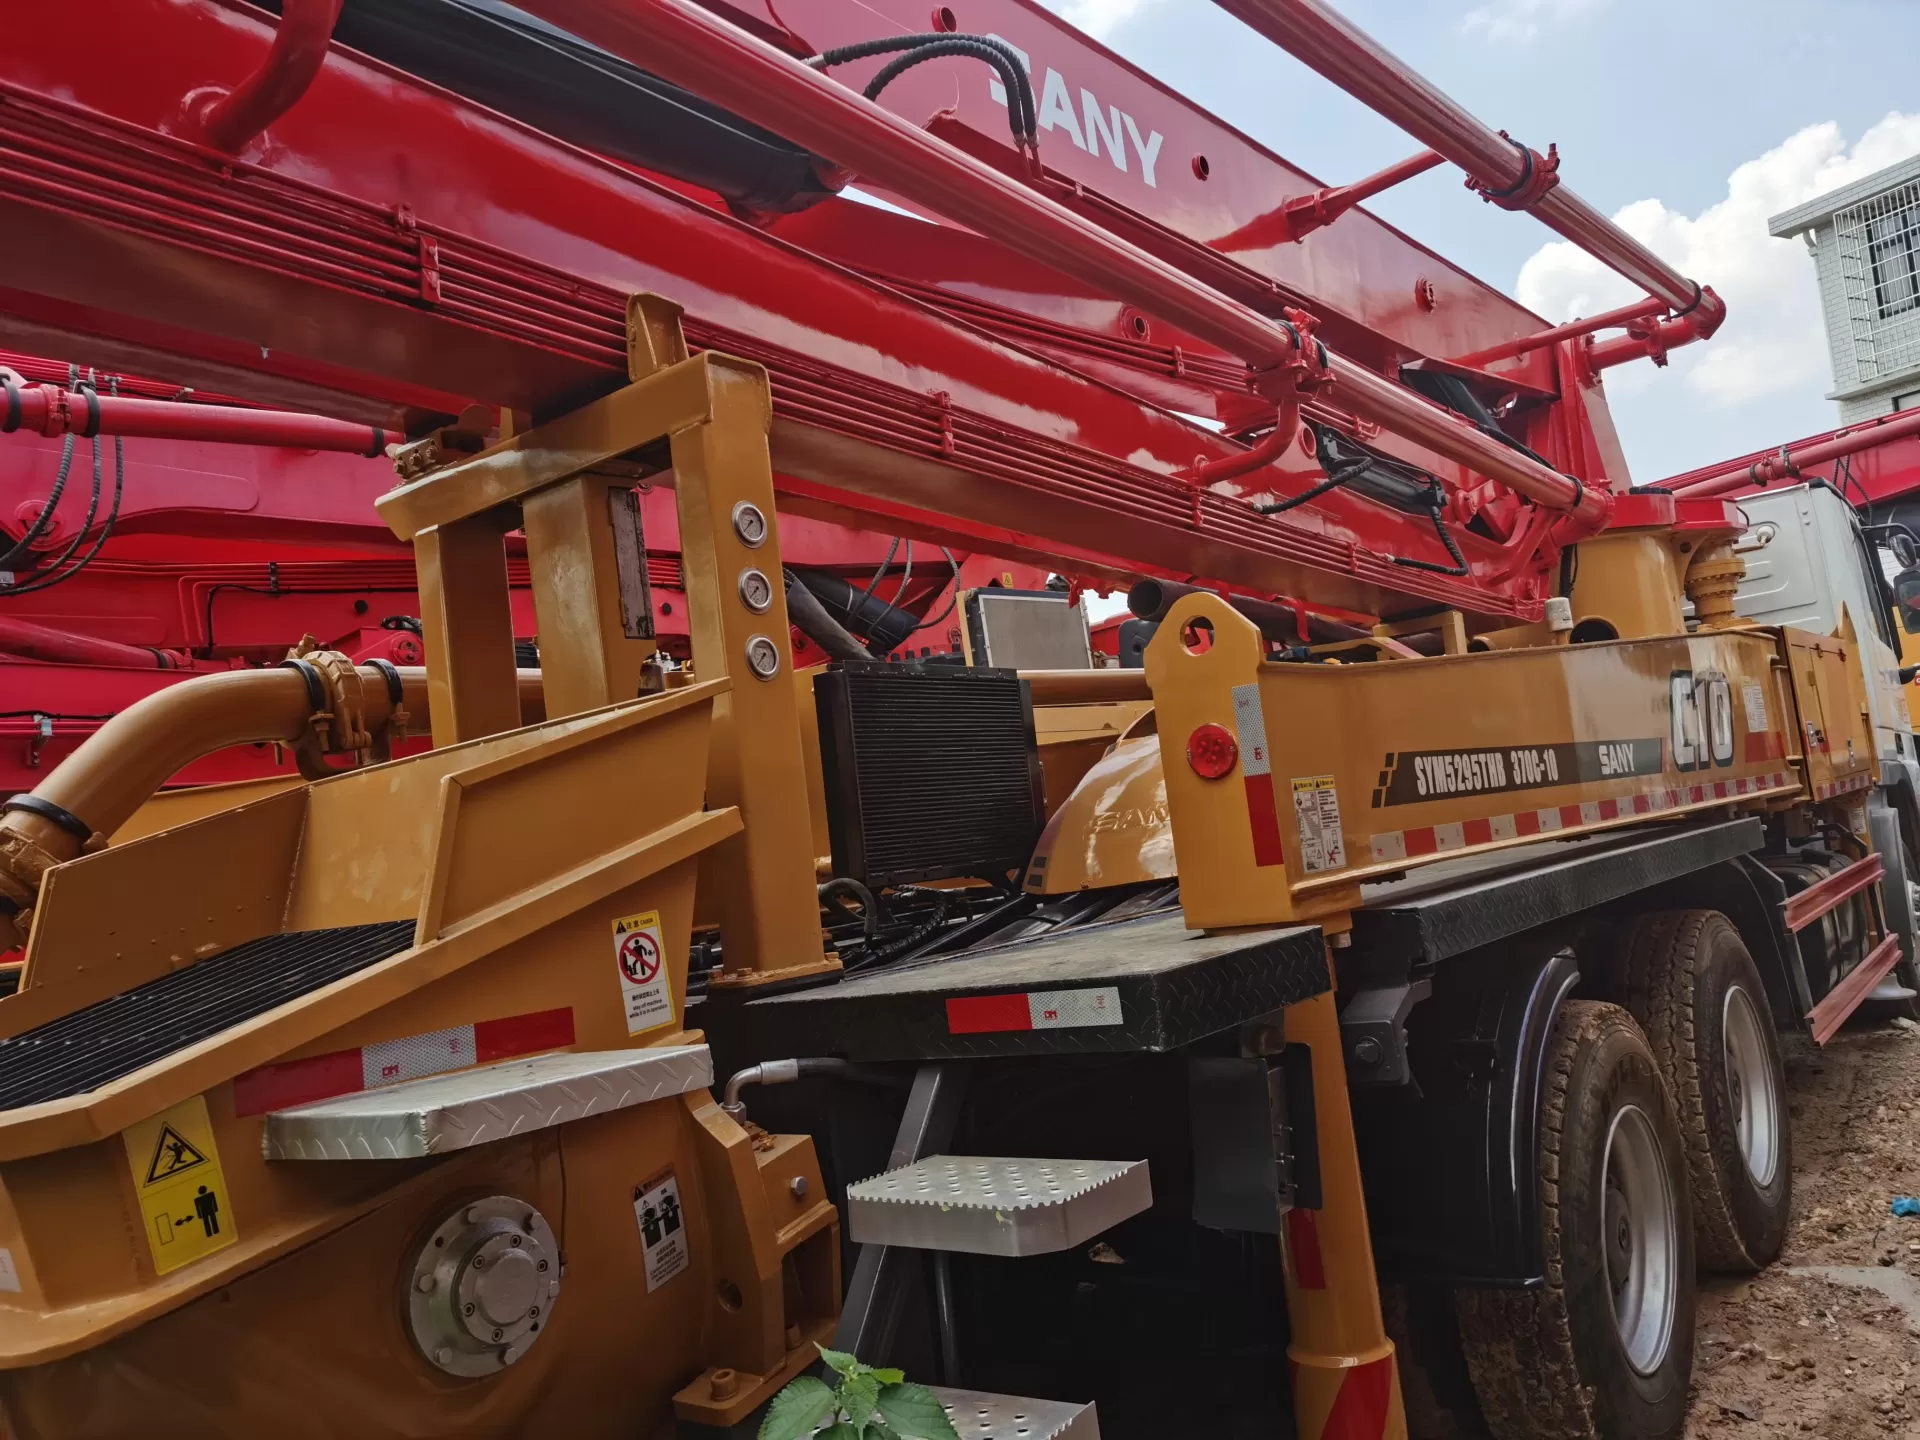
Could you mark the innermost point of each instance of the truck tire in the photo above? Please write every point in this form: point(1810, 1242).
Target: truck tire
point(1689, 981)
point(1604, 1350)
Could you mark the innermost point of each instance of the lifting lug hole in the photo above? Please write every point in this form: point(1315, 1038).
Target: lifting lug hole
point(1196, 636)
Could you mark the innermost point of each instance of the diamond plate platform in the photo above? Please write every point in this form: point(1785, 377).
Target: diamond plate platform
point(1143, 984)
point(475, 1107)
point(980, 1416)
point(983, 1205)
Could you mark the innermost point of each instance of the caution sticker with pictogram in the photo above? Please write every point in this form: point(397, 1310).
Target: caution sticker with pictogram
point(640, 956)
point(182, 1191)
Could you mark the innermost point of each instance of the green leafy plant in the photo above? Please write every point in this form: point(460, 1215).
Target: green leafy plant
point(862, 1404)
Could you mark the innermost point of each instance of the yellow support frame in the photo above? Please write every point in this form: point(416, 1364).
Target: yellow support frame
point(555, 481)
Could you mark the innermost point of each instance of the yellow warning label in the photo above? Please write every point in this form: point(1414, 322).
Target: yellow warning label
point(183, 1194)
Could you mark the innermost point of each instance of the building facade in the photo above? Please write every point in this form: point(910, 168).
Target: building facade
point(1865, 241)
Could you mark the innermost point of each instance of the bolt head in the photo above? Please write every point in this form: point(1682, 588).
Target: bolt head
point(444, 1355)
point(424, 1284)
point(1367, 1051)
point(473, 1215)
point(797, 1187)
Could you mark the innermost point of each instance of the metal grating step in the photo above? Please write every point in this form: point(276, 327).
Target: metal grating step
point(996, 1206)
point(115, 1037)
point(980, 1416)
point(473, 1107)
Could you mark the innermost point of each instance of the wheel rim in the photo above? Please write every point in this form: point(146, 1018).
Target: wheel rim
point(1751, 1086)
point(1640, 1239)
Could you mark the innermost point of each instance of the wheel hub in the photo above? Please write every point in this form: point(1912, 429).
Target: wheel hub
point(1641, 1241)
point(1751, 1088)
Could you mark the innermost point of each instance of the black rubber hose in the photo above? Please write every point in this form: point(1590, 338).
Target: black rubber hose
point(1022, 112)
point(1010, 75)
point(806, 612)
point(869, 907)
point(885, 625)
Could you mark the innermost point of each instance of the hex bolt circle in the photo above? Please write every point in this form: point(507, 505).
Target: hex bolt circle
point(1367, 1050)
point(797, 1187)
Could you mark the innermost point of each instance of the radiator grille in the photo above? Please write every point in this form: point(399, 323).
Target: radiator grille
point(931, 773)
point(115, 1037)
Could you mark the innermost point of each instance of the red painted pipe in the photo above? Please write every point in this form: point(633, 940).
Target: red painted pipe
point(1327, 42)
point(683, 43)
point(299, 50)
point(1304, 214)
point(1572, 330)
point(51, 410)
point(65, 647)
point(1787, 464)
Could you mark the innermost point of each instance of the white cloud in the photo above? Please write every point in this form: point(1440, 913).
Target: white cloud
point(1099, 18)
point(1520, 21)
point(1773, 341)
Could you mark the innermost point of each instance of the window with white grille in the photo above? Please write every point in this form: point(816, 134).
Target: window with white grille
point(1878, 242)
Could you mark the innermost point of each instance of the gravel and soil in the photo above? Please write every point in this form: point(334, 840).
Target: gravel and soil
point(1826, 1341)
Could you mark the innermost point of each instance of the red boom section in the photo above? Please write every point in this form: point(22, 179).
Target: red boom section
point(1881, 460)
point(305, 275)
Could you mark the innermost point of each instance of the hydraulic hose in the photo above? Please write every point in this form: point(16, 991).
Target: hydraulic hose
point(810, 616)
point(886, 625)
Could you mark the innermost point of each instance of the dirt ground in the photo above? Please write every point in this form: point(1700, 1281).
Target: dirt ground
point(1827, 1341)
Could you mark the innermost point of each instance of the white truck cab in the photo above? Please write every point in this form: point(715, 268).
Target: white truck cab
point(1807, 557)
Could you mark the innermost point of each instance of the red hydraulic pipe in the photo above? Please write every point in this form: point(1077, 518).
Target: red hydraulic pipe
point(1572, 330)
point(681, 42)
point(50, 410)
point(1501, 169)
point(299, 50)
point(1304, 214)
point(66, 647)
point(1788, 464)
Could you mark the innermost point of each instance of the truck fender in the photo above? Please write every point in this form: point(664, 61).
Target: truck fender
point(1451, 1162)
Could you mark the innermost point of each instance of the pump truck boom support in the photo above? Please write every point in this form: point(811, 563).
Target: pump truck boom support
point(1380, 986)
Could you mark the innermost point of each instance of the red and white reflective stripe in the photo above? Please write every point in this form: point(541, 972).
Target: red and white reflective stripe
point(1392, 845)
point(1847, 786)
point(1033, 1010)
point(412, 1057)
point(1256, 772)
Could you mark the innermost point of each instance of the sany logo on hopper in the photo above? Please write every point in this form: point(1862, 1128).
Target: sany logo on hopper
point(1093, 126)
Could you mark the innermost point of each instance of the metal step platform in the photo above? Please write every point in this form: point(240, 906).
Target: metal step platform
point(1146, 984)
point(979, 1416)
point(474, 1107)
point(980, 1205)
point(113, 1038)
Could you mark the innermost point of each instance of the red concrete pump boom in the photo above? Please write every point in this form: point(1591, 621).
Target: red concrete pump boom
point(497, 260)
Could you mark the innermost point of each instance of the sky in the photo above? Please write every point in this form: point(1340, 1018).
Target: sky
point(1689, 121)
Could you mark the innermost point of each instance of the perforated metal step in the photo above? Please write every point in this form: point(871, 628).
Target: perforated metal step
point(113, 1038)
point(983, 1205)
point(980, 1416)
